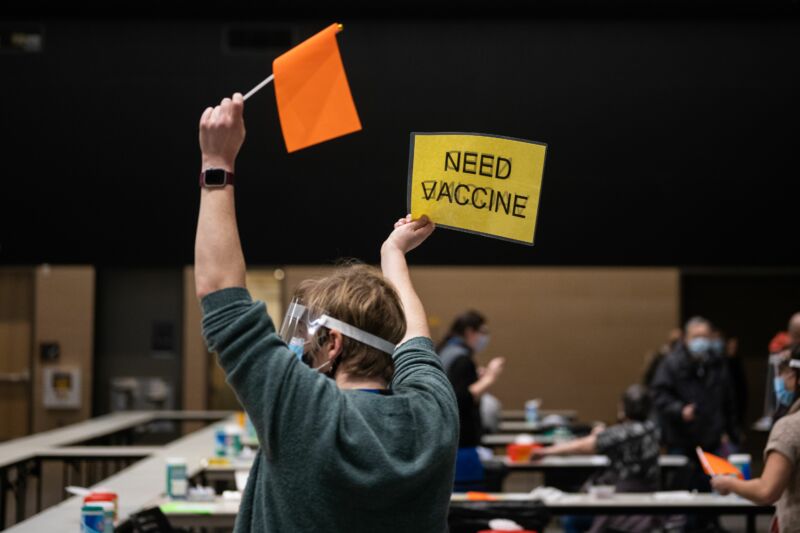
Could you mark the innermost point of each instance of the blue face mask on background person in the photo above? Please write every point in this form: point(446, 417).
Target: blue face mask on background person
point(699, 346)
point(481, 342)
point(782, 394)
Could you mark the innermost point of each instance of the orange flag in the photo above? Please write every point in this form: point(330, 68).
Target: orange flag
point(714, 465)
point(314, 100)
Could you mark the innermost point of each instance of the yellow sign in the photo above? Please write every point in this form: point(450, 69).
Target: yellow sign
point(479, 183)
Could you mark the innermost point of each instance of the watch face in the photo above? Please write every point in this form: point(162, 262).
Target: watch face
point(215, 177)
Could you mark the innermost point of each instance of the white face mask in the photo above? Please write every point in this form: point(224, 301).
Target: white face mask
point(481, 342)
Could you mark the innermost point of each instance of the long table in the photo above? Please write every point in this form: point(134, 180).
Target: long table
point(137, 487)
point(569, 472)
point(521, 426)
point(23, 457)
point(519, 414)
point(495, 440)
point(222, 513)
point(664, 503)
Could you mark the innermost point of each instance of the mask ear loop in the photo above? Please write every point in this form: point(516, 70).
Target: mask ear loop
point(334, 363)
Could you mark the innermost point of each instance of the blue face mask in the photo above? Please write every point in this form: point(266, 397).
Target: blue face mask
point(699, 346)
point(782, 394)
point(481, 342)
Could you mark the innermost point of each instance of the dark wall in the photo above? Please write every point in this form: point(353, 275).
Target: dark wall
point(671, 141)
point(138, 329)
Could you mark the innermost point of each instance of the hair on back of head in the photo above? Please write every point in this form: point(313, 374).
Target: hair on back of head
point(359, 295)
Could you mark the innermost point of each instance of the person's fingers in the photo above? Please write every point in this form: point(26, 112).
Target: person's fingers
point(237, 108)
point(206, 115)
point(215, 114)
point(418, 223)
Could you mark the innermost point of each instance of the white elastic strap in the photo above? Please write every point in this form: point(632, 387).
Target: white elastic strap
point(357, 334)
point(794, 363)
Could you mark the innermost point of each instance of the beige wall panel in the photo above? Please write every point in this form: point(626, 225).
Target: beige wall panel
point(575, 337)
point(16, 335)
point(64, 313)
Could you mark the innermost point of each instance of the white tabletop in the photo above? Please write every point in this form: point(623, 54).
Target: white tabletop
point(584, 461)
point(645, 500)
point(497, 439)
point(23, 448)
point(519, 414)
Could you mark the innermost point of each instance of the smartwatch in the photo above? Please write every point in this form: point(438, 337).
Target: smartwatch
point(215, 178)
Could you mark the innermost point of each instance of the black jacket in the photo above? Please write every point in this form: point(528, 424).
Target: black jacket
point(461, 371)
point(680, 380)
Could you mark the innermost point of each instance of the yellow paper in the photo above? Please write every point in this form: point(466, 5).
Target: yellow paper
point(478, 183)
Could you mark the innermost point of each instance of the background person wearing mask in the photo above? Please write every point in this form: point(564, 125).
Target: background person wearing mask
point(468, 335)
point(780, 480)
point(632, 448)
point(694, 400)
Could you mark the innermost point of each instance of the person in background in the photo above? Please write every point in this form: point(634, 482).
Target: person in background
point(468, 335)
point(654, 358)
point(632, 447)
point(694, 400)
point(779, 483)
point(728, 350)
point(778, 351)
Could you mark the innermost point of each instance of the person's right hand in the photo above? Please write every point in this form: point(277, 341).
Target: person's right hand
point(408, 233)
point(222, 133)
point(687, 413)
point(495, 367)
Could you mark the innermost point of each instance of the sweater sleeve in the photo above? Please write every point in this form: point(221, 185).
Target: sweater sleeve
point(265, 375)
point(419, 370)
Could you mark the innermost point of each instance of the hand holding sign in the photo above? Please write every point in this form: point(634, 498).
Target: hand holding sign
point(409, 233)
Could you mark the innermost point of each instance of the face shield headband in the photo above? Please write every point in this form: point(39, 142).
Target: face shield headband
point(301, 325)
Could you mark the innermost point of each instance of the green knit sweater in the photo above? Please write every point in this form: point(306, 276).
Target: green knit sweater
point(330, 459)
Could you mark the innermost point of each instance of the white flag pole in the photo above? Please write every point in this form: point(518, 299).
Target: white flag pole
point(258, 87)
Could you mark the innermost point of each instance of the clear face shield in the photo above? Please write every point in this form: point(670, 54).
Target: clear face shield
point(304, 329)
point(773, 373)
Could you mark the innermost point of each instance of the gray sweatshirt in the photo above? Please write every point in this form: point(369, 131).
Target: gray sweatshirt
point(330, 459)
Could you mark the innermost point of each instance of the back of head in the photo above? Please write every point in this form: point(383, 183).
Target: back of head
point(636, 403)
point(794, 328)
point(359, 295)
point(468, 320)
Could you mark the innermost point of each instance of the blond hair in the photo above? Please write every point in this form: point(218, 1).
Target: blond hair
point(359, 295)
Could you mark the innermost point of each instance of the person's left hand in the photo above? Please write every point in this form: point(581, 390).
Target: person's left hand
point(408, 233)
point(722, 484)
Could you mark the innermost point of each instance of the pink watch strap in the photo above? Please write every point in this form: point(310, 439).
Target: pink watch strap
point(228, 179)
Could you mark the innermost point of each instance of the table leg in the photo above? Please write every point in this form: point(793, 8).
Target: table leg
point(39, 467)
point(751, 523)
point(3, 497)
point(21, 491)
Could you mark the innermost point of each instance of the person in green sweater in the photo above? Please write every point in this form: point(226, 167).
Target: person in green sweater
point(353, 439)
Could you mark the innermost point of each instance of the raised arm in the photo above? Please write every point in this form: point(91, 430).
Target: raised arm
point(407, 235)
point(218, 258)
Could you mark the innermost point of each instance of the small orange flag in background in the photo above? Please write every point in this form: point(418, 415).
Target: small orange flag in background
point(714, 465)
point(314, 100)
